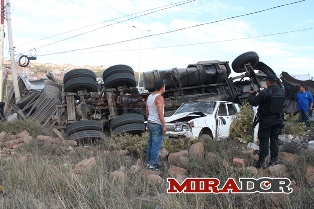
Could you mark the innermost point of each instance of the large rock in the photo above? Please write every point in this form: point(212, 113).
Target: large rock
point(174, 158)
point(84, 165)
point(309, 175)
point(238, 162)
point(252, 170)
point(154, 179)
point(197, 150)
point(163, 153)
point(279, 170)
point(175, 171)
point(10, 144)
point(25, 137)
point(286, 158)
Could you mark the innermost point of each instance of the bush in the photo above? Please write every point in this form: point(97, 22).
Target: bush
point(241, 127)
point(292, 126)
point(34, 128)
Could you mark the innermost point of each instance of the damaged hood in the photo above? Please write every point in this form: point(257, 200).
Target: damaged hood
point(182, 115)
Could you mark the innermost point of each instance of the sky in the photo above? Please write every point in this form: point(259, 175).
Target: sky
point(166, 33)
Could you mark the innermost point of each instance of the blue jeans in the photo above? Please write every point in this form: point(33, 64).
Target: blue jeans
point(304, 117)
point(154, 143)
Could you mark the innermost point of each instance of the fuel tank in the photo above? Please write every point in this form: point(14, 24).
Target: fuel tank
point(201, 73)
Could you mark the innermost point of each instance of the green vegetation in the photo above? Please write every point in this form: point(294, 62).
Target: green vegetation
point(242, 129)
point(47, 178)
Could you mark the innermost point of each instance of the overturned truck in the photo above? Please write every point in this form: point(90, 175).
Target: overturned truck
point(82, 108)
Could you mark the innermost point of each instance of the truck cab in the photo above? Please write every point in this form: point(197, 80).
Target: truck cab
point(202, 119)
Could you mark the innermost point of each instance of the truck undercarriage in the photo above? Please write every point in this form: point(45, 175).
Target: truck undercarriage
point(82, 108)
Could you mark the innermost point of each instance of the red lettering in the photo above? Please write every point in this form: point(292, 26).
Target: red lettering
point(211, 185)
point(194, 185)
point(175, 187)
point(230, 185)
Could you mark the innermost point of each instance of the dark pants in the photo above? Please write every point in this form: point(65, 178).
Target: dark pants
point(304, 117)
point(269, 129)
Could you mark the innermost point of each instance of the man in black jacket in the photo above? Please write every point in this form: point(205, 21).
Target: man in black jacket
point(270, 110)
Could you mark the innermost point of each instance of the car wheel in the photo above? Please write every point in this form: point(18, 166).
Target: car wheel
point(80, 83)
point(133, 128)
point(120, 79)
point(245, 58)
point(78, 73)
point(84, 125)
point(126, 119)
point(117, 69)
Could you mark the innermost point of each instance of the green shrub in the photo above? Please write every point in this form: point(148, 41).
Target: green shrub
point(34, 128)
point(241, 127)
point(176, 145)
point(292, 126)
point(136, 144)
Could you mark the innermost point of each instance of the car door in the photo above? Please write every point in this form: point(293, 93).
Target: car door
point(226, 113)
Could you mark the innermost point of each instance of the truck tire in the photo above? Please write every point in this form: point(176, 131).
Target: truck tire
point(80, 83)
point(118, 79)
point(117, 69)
point(132, 128)
point(78, 73)
point(247, 57)
point(126, 119)
point(27, 98)
point(87, 136)
point(84, 125)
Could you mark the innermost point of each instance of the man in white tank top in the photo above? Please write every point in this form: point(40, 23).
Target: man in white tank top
point(156, 125)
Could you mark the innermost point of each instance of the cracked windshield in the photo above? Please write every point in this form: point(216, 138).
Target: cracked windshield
point(205, 107)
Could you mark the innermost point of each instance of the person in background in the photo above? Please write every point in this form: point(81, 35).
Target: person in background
point(311, 111)
point(270, 104)
point(156, 125)
point(304, 104)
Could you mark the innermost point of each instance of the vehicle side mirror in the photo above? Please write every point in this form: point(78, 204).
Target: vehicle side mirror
point(223, 120)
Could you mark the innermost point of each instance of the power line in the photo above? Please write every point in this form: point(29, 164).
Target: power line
point(154, 10)
point(172, 31)
point(208, 42)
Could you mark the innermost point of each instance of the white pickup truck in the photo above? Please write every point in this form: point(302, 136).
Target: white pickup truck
point(203, 119)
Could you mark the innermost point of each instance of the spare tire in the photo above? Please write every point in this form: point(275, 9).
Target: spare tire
point(126, 119)
point(79, 73)
point(118, 79)
point(80, 83)
point(245, 58)
point(117, 69)
point(84, 125)
point(133, 128)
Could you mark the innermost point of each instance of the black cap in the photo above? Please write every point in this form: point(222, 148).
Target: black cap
point(272, 78)
point(159, 84)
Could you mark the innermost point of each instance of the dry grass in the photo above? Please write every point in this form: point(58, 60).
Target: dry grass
point(47, 179)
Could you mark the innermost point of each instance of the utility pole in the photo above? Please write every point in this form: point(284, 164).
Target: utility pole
point(13, 68)
point(1, 48)
point(139, 62)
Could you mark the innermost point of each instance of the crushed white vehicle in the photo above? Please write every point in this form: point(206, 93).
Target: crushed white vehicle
point(202, 119)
